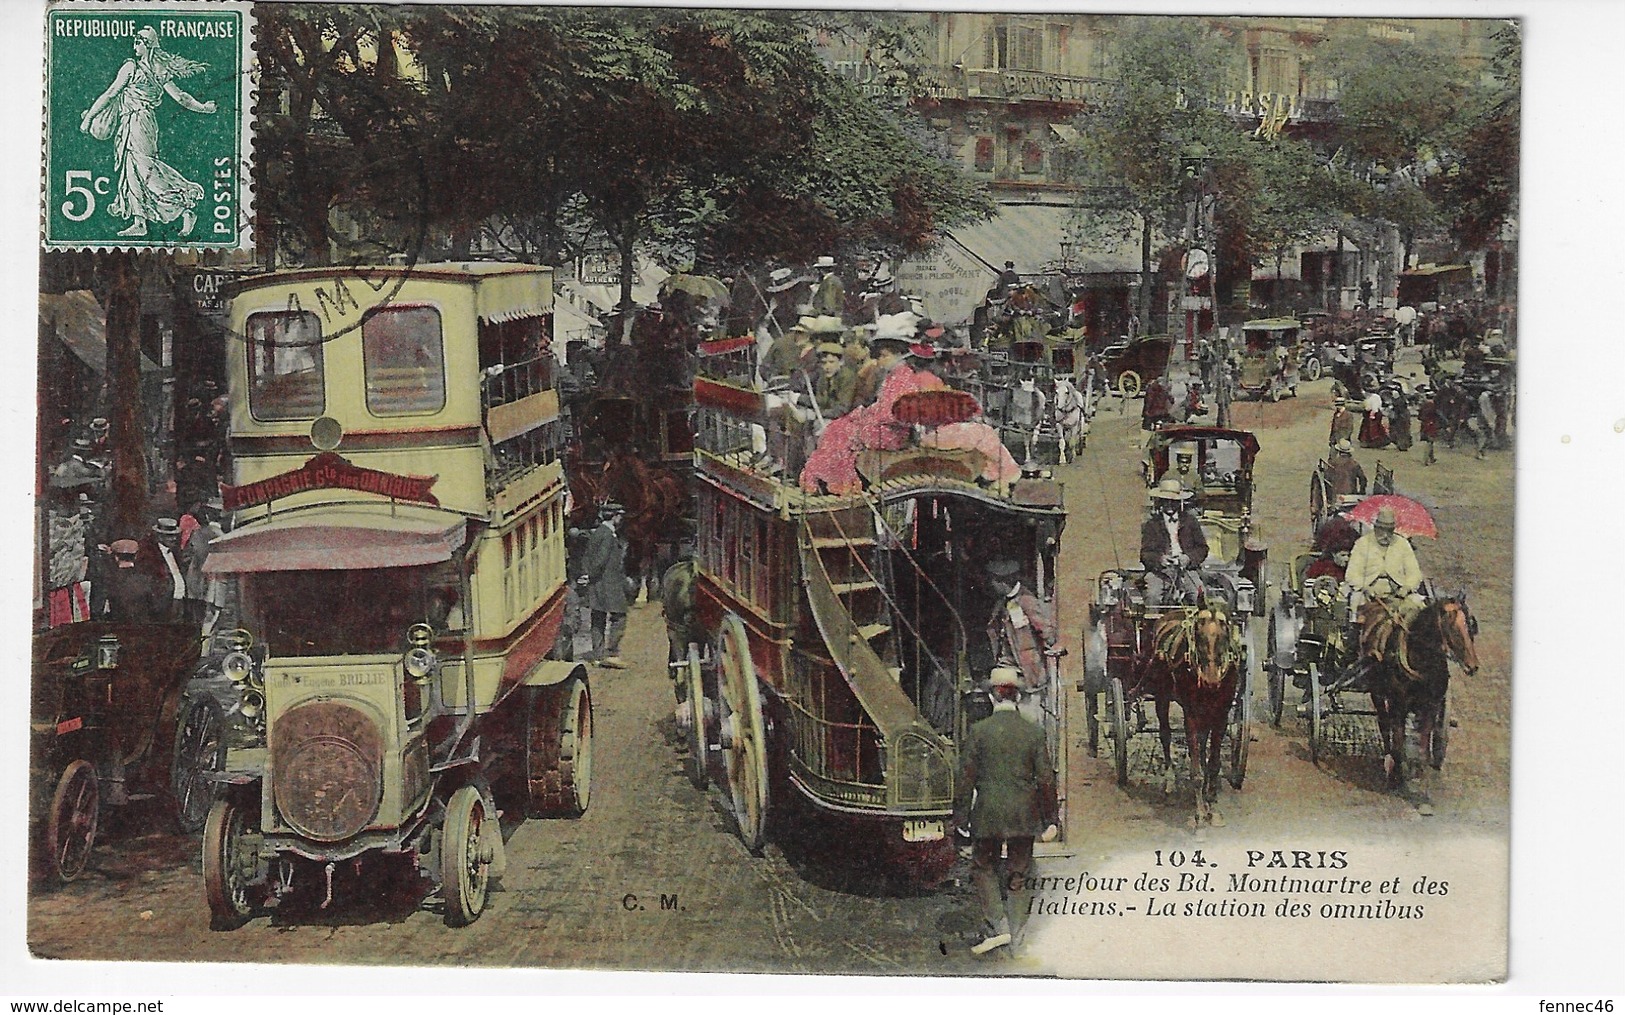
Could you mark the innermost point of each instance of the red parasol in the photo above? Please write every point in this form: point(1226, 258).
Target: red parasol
point(1410, 518)
point(937, 407)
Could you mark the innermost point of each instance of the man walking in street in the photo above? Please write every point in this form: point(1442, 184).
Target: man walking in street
point(1006, 790)
point(603, 580)
point(1342, 422)
point(1344, 476)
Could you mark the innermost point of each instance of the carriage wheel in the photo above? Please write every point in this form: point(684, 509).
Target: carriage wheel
point(1277, 679)
point(1119, 731)
point(1311, 369)
point(1129, 384)
point(1240, 728)
point(695, 736)
point(70, 830)
point(1441, 737)
point(558, 750)
point(1317, 721)
point(465, 857)
point(743, 734)
point(200, 748)
point(1094, 679)
point(229, 862)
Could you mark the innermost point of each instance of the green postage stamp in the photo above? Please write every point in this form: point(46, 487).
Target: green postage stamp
point(147, 112)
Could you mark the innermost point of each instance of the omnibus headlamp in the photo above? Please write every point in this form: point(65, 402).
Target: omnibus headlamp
point(420, 663)
point(237, 666)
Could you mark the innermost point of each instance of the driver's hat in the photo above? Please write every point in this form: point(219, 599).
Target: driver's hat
point(1004, 676)
point(1344, 447)
point(1170, 489)
point(1184, 449)
point(1385, 519)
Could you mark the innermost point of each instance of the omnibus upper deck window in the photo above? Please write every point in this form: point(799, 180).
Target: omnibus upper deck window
point(404, 360)
point(285, 379)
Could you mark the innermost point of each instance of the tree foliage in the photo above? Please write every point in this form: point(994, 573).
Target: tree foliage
point(715, 132)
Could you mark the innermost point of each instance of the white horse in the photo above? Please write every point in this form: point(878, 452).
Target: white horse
point(1072, 414)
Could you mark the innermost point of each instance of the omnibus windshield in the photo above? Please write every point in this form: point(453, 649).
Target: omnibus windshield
point(362, 612)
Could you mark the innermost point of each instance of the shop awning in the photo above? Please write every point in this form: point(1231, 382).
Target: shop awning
point(953, 277)
point(1436, 270)
point(1031, 235)
point(301, 544)
point(79, 323)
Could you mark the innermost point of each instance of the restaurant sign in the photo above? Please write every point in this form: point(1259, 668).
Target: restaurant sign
point(330, 471)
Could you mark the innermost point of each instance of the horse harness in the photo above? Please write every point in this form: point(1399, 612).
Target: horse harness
point(1176, 641)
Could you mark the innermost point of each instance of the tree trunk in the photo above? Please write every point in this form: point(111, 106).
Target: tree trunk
point(127, 491)
point(628, 241)
point(1145, 274)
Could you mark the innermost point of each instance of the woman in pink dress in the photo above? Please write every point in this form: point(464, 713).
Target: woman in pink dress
point(832, 467)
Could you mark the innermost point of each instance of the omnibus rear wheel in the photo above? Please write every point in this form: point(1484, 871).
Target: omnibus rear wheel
point(743, 733)
point(558, 750)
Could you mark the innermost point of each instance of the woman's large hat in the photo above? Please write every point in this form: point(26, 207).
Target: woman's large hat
point(899, 326)
point(823, 324)
point(1170, 489)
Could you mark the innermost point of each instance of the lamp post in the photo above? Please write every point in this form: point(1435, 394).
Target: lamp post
point(1196, 163)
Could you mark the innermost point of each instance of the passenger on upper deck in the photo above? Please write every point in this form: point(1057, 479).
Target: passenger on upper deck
point(832, 467)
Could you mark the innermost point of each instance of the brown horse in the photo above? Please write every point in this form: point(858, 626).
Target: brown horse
point(656, 502)
point(1413, 675)
point(1195, 660)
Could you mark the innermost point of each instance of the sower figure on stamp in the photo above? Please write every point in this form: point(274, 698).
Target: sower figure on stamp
point(148, 187)
point(603, 578)
point(1005, 799)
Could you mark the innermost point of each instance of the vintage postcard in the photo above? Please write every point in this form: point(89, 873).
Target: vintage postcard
point(934, 493)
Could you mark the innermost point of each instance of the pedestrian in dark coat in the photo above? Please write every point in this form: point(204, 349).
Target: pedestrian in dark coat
point(1342, 422)
point(603, 580)
point(1158, 410)
point(1006, 799)
point(1344, 476)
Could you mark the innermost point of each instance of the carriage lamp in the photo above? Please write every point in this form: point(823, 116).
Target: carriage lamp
point(107, 652)
point(237, 666)
point(420, 660)
point(1244, 598)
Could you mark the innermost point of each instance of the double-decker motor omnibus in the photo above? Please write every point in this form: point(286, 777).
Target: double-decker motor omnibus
point(397, 553)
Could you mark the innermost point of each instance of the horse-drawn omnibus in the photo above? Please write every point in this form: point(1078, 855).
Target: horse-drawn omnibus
point(397, 555)
point(848, 632)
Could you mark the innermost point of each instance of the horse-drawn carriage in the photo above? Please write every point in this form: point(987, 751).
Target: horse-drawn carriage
point(1220, 476)
point(102, 733)
point(1269, 358)
point(1336, 650)
point(845, 631)
point(1201, 651)
point(1033, 394)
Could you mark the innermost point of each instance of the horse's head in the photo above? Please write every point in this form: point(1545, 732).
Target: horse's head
point(1215, 646)
point(1457, 628)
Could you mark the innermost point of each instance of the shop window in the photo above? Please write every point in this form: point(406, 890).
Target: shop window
point(984, 155)
point(1032, 157)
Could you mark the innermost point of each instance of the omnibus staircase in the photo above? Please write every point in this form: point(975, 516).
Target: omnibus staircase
point(849, 591)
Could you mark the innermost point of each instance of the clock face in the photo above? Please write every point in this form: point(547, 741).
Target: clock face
point(1196, 264)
